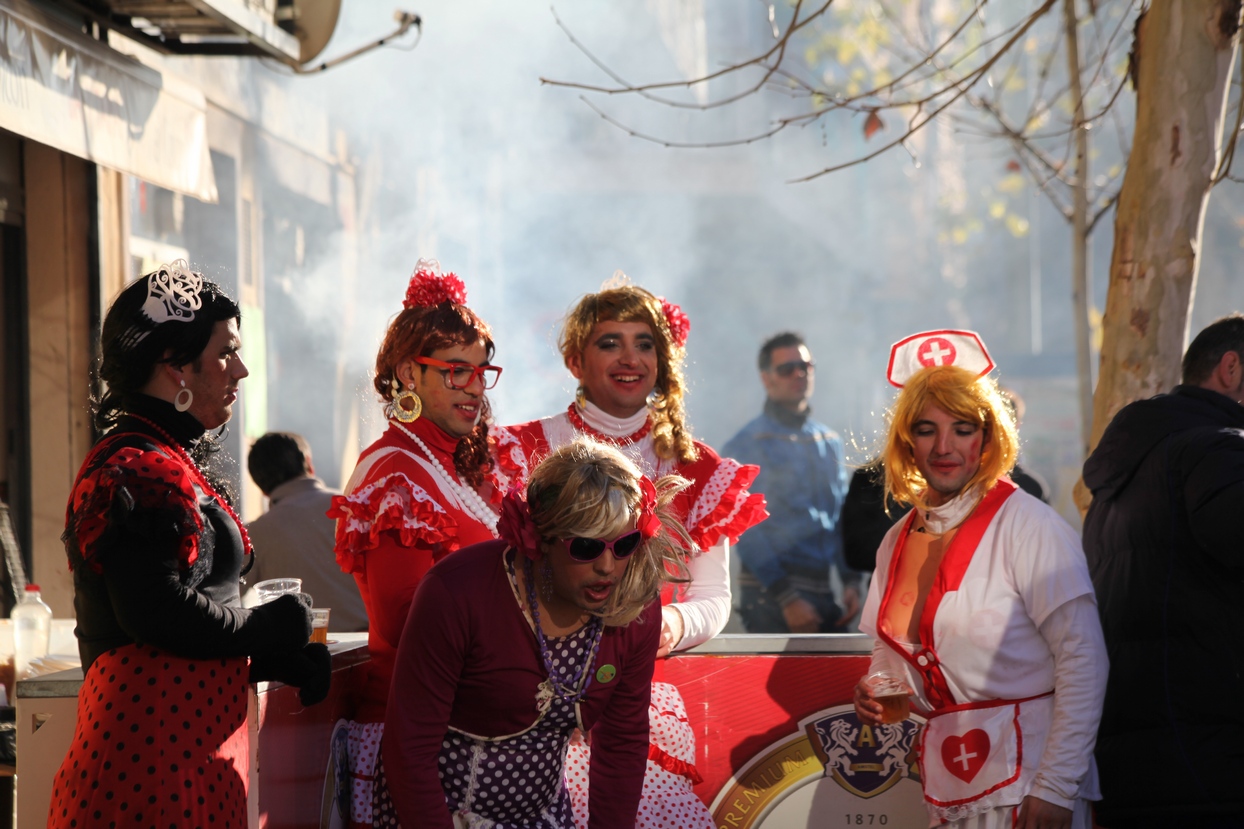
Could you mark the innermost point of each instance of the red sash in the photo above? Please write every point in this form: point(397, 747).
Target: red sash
point(949, 575)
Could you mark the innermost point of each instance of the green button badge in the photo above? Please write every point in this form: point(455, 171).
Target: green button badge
point(606, 673)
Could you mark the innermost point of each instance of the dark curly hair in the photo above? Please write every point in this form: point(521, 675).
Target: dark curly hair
point(417, 332)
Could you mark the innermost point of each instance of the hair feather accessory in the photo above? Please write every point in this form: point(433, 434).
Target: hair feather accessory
point(173, 295)
point(678, 322)
point(428, 287)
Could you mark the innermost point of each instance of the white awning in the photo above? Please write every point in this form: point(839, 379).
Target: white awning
point(64, 89)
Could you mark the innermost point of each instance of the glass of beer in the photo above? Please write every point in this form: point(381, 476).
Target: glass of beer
point(319, 625)
point(892, 692)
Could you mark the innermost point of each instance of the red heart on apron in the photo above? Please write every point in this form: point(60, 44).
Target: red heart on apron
point(964, 756)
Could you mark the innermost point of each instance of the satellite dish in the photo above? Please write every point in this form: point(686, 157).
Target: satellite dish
point(311, 21)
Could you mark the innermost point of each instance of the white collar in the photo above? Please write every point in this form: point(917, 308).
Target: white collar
point(951, 514)
point(606, 423)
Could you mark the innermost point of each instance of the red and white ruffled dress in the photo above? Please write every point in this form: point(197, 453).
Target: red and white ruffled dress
point(716, 509)
point(403, 510)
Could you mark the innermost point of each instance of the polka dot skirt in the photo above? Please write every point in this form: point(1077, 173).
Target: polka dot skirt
point(667, 801)
point(514, 783)
point(160, 742)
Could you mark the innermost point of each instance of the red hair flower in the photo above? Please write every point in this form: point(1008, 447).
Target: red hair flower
point(648, 524)
point(679, 324)
point(429, 288)
point(515, 527)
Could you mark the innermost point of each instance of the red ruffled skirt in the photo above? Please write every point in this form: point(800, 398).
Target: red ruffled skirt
point(160, 740)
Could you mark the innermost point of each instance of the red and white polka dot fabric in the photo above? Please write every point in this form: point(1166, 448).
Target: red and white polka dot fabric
point(668, 801)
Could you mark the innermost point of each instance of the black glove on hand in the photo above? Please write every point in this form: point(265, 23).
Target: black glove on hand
point(309, 669)
point(283, 624)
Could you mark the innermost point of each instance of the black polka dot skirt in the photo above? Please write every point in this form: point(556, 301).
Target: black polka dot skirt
point(160, 742)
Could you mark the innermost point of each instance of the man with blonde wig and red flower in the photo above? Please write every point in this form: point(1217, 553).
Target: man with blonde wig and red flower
point(626, 348)
point(981, 605)
point(513, 644)
point(415, 495)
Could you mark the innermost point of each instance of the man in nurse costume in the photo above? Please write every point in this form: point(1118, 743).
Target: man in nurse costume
point(982, 602)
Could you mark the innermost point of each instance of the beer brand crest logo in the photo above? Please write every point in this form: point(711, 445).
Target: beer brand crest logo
point(865, 760)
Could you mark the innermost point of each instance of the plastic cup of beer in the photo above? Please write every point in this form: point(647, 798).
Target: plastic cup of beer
point(892, 692)
point(270, 589)
point(319, 625)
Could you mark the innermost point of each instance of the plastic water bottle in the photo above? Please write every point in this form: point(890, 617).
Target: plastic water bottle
point(32, 628)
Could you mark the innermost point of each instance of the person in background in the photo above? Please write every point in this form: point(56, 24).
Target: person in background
point(982, 604)
point(1162, 538)
point(415, 495)
point(513, 644)
point(626, 348)
point(294, 538)
point(787, 561)
point(1029, 482)
point(156, 551)
point(867, 515)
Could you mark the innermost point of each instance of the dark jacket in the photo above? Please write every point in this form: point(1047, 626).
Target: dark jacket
point(1163, 542)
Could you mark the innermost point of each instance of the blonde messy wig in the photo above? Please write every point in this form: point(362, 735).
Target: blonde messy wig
point(590, 489)
point(965, 396)
point(629, 303)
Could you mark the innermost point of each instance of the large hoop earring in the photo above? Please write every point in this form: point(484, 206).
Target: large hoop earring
point(655, 398)
point(182, 405)
point(407, 406)
point(580, 397)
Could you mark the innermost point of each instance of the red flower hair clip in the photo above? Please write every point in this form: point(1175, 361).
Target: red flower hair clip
point(429, 288)
point(648, 523)
point(516, 527)
point(679, 324)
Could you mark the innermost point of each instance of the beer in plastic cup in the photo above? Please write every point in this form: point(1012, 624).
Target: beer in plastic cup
point(319, 625)
point(892, 692)
point(270, 589)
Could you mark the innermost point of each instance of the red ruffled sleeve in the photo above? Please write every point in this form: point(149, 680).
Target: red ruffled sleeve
point(717, 505)
point(391, 503)
point(131, 479)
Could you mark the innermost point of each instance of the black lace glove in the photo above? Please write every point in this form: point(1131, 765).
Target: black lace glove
point(309, 669)
point(279, 625)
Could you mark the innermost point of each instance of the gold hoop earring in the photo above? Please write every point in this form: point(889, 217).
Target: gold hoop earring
point(407, 406)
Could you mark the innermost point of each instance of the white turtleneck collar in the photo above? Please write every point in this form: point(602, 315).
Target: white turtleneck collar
point(951, 514)
point(606, 423)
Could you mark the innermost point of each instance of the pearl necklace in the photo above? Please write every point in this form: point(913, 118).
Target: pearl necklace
point(468, 497)
point(200, 478)
point(581, 425)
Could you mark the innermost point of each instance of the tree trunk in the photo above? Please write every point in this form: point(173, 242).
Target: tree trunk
point(1182, 59)
point(1080, 284)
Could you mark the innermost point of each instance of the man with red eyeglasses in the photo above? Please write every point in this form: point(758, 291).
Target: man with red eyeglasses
point(786, 561)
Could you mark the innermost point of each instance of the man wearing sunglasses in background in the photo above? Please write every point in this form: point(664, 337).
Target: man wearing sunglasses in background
point(786, 562)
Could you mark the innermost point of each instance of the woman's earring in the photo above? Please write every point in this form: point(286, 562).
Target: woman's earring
point(184, 399)
point(580, 397)
point(407, 406)
point(655, 398)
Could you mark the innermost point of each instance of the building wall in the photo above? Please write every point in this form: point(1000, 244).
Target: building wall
point(59, 238)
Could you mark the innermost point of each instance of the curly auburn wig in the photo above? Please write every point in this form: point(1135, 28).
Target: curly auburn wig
point(419, 331)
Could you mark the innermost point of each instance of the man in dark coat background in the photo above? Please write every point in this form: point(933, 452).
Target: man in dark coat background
point(1165, 548)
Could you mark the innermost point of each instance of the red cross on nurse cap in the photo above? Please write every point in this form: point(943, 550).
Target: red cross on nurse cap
point(947, 347)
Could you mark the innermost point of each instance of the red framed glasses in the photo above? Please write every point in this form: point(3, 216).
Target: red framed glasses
point(590, 549)
point(462, 375)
